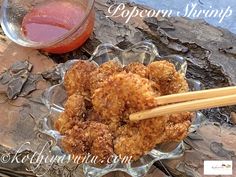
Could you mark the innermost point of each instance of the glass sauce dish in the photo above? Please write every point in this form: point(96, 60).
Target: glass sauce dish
point(55, 26)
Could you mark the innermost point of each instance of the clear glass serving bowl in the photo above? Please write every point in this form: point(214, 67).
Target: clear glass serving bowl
point(144, 52)
point(14, 11)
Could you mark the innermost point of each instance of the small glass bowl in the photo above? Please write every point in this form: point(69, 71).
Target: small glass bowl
point(13, 12)
point(144, 52)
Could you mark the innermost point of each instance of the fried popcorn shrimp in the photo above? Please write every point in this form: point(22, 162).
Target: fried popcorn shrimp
point(138, 139)
point(123, 91)
point(96, 116)
point(74, 110)
point(161, 71)
point(77, 78)
point(176, 128)
point(103, 72)
point(137, 68)
point(178, 85)
point(75, 106)
point(176, 131)
point(170, 81)
point(89, 137)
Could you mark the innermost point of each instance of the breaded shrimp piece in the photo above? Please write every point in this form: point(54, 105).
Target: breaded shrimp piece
point(109, 106)
point(161, 71)
point(77, 78)
point(146, 134)
point(137, 68)
point(89, 137)
point(171, 82)
point(75, 106)
point(176, 131)
point(176, 128)
point(138, 139)
point(103, 72)
point(165, 74)
point(120, 92)
point(177, 85)
point(141, 70)
point(74, 111)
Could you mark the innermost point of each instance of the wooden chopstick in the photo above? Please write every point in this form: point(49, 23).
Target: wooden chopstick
point(196, 95)
point(185, 106)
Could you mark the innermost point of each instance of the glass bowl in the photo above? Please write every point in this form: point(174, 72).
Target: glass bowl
point(144, 52)
point(14, 11)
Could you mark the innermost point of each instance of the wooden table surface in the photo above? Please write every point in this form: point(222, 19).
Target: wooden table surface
point(211, 58)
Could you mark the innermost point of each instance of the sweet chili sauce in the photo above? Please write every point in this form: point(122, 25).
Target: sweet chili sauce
point(53, 20)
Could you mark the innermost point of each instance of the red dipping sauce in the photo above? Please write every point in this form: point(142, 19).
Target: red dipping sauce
point(53, 20)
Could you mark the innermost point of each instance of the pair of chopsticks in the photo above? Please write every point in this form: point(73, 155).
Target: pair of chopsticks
point(190, 101)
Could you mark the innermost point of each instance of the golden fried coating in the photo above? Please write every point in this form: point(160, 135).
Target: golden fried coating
point(176, 131)
point(137, 139)
point(74, 110)
point(178, 85)
point(121, 92)
point(176, 128)
point(103, 72)
point(89, 137)
point(161, 71)
point(77, 78)
point(75, 105)
point(137, 68)
point(63, 123)
point(170, 81)
point(96, 117)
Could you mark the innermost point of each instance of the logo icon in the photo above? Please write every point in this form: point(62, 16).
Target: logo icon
point(218, 167)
